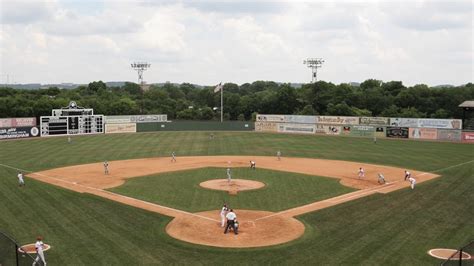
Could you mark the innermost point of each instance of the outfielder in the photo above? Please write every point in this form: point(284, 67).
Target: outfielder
point(229, 175)
point(361, 173)
point(173, 157)
point(21, 182)
point(224, 211)
point(279, 155)
point(39, 246)
point(106, 167)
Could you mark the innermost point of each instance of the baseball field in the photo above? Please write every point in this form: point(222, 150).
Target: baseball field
point(127, 218)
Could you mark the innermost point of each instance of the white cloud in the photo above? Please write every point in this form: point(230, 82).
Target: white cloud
point(208, 42)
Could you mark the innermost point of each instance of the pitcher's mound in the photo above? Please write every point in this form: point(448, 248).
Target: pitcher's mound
point(253, 230)
point(233, 186)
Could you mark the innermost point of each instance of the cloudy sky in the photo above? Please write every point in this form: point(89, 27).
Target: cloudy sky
point(206, 42)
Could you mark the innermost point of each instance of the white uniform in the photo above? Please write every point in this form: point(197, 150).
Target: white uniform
point(279, 155)
point(229, 176)
point(252, 164)
point(20, 179)
point(224, 211)
point(381, 179)
point(361, 172)
point(412, 182)
point(39, 252)
point(173, 157)
point(106, 167)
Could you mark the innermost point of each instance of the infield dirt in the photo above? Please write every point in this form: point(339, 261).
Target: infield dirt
point(258, 228)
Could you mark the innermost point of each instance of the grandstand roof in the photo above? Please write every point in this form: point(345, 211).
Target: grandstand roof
point(467, 104)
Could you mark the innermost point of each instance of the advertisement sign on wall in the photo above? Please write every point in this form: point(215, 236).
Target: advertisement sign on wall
point(328, 129)
point(382, 121)
point(266, 126)
point(380, 132)
point(18, 122)
point(121, 119)
point(305, 119)
point(270, 118)
point(362, 131)
point(440, 123)
point(397, 132)
point(19, 132)
point(121, 128)
point(296, 128)
point(338, 120)
point(404, 122)
point(423, 133)
point(449, 135)
point(468, 137)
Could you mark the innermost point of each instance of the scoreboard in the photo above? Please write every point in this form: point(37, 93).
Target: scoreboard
point(71, 120)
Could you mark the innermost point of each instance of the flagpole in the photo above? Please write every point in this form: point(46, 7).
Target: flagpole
point(222, 103)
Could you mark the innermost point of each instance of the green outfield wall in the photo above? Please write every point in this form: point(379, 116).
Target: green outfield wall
point(196, 126)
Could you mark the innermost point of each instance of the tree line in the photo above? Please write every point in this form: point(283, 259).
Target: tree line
point(188, 102)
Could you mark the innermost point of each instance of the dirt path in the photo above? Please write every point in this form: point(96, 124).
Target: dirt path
point(90, 178)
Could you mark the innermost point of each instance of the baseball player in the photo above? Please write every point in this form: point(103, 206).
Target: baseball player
point(375, 139)
point(381, 178)
point(407, 175)
point(252, 165)
point(21, 182)
point(173, 157)
point(229, 175)
point(231, 219)
point(69, 140)
point(106, 167)
point(279, 155)
point(412, 182)
point(224, 211)
point(361, 173)
point(39, 246)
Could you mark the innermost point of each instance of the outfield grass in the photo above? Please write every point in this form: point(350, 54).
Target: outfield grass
point(397, 228)
point(282, 190)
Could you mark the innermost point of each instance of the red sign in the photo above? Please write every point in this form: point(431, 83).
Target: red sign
point(468, 137)
point(18, 122)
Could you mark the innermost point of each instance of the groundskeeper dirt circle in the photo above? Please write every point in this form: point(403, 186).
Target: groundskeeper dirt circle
point(30, 248)
point(446, 253)
point(234, 186)
point(256, 229)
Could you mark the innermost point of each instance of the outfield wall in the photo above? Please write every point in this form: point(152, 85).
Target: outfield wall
point(19, 127)
point(379, 127)
point(196, 126)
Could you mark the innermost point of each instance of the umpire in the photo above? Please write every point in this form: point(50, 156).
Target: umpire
point(231, 218)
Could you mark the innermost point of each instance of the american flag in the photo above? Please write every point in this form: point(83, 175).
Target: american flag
point(218, 87)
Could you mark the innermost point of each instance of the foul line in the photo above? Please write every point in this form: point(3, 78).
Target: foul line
point(112, 193)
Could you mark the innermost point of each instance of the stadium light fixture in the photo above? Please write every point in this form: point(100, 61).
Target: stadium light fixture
point(314, 64)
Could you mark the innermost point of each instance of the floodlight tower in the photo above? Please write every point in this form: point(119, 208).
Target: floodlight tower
point(140, 67)
point(314, 64)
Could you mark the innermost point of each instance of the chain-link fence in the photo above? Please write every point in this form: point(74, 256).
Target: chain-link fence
point(9, 254)
point(464, 256)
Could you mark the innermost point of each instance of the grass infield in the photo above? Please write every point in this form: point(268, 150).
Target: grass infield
point(282, 190)
point(393, 229)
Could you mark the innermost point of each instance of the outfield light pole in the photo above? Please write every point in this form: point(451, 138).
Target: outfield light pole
point(314, 64)
point(140, 67)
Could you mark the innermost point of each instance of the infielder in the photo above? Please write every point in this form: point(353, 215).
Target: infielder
point(252, 165)
point(407, 175)
point(21, 182)
point(173, 157)
point(412, 182)
point(361, 173)
point(39, 246)
point(231, 219)
point(229, 175)
point(224, 211)
point(106, 167)
point(381, 179)
point(279, 155)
